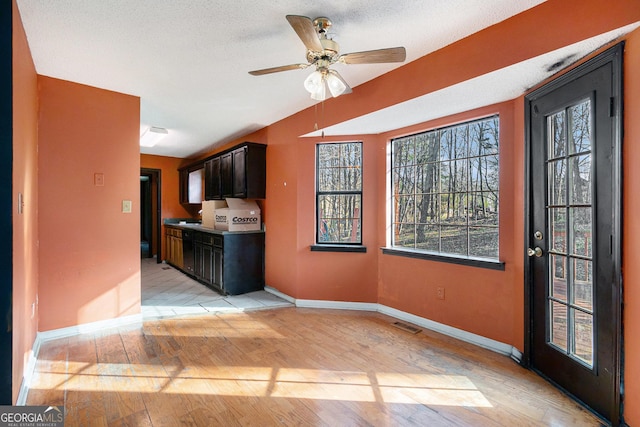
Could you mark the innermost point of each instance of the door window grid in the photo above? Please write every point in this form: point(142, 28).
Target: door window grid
point(570, 294)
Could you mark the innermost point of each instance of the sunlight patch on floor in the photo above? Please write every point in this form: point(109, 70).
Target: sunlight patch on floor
point(316, 384)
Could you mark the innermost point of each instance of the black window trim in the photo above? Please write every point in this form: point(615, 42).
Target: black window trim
point(494, 264)
point(451, 259)
point(332, 246)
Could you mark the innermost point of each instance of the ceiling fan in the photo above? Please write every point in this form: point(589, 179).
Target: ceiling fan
point(324, 52)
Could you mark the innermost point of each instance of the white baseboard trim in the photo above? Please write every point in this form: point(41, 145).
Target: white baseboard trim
point(336, 305)
point(29, 370)
point(462, 335)
point(89, 327)
point(279, 294)
point(516, 355)
point(42, 337)
point(450, 331)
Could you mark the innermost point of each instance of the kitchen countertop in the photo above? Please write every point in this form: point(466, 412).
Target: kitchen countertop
point(200, 228)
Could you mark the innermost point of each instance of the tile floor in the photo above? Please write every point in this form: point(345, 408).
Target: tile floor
point(167, 292)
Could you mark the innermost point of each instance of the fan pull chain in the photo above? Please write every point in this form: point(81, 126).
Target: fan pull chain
point(315, 113)
point(322, 118)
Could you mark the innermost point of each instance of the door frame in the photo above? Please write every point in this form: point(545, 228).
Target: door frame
point(613, 55)
point(156, 176)
point(6, 206)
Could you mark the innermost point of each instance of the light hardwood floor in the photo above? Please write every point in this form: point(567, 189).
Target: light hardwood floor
point(289, 366)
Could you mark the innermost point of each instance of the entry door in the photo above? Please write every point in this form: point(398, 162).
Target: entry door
point(573, 232)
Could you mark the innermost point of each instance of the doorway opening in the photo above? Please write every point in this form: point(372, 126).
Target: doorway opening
point(150, 214)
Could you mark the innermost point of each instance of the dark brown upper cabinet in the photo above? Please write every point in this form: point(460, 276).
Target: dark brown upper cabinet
point(226, 174)
point(212, 187)
point(240, 172)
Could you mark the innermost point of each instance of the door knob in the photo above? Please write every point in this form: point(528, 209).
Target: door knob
point(537, 252)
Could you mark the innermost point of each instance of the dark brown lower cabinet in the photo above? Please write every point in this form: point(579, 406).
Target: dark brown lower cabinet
point(230, 262)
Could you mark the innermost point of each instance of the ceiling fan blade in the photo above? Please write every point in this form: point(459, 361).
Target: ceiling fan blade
point(303, 26)
point(278, 69)
point(392, 54)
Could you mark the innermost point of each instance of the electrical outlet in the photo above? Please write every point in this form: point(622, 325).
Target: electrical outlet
point(98, 179)
point(440, 292)
point(126, 206)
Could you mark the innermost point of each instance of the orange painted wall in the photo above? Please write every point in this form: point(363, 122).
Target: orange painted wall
point(337, 276)
point(476, 299)
point(89, 263)
point(25, 181)
point(631, 228)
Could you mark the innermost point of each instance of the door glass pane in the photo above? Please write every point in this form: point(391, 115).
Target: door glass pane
point(580, 179)
point(582, 336)
point(558, 325)
point(570, 222)
point(558, 222)
point(558, 267)
point(580, 125)
point(557, 140)
point(581, 225)
point(583, 283)
point(558, 182)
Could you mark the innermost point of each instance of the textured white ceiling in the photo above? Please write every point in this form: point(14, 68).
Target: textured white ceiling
point(188, 60)
point(492, 88)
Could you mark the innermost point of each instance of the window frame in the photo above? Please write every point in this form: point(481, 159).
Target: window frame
point(319, 246)
point(420, 253)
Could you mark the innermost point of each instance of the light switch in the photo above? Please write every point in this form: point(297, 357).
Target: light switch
point(98, 179)
point(126, 206)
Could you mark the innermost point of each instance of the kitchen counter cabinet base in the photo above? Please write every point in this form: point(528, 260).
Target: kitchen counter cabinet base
point(231, 263)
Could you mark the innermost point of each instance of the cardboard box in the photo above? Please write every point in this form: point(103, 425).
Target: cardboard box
point(209, 208)
point(241, 215)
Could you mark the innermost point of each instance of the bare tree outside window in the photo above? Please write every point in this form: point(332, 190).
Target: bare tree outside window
point(445, 190)
point(339, 193)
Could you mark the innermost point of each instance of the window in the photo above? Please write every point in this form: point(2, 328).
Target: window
point(339, 193)
point(445, 190)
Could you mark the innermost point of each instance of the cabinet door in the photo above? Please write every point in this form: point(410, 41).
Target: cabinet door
point(226, 174)
point(184, 186)
point(217, 267)
point(197, 259)
point(178, 251)
point(212, 182)
point(255, 168)
point(168, 247)
point(207, 264)
point(240, 173)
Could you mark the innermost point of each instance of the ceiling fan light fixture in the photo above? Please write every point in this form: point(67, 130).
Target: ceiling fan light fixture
point(314, 82)
point(321, 93)
point(336, 85)
point(323, 83)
